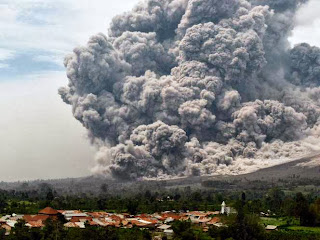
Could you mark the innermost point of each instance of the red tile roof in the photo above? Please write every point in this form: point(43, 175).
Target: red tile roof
point(93, 223)
point(98, 214)
point(151, 220)
point(31, 218)
point(48, 211)
point(197, 213)
point(214, 220)
point(81, 219)
point(36, 224)
point(71, 224)
point(164, 216)
point(115, 218)
point(138, 223)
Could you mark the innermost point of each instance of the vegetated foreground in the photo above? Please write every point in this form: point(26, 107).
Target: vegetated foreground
point(278, 196)
point(167, 212)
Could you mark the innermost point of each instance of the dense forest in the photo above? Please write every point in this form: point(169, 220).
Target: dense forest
point(153, 197)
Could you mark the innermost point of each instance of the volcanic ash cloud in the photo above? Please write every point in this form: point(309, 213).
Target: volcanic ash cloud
point(196, 87)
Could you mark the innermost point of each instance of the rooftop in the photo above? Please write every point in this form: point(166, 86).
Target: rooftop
point(48, 211)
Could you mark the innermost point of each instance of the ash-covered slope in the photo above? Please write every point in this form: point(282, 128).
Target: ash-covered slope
point(304, 168)
point(196, 87)
point(299, 172)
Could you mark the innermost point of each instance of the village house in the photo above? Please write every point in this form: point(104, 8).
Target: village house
point(11, 220)
point(160, 222)
point(73, 214)
point(163, 227)
point(271, 228)
point(6, 227)
point(48, 211)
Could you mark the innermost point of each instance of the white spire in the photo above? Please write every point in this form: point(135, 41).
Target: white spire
point(223, 208)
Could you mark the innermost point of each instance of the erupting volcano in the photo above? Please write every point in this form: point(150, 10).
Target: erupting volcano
point(196, 87)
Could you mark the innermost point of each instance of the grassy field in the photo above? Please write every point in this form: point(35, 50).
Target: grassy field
point(279, 221)
point(289, 224)
point(305, 229)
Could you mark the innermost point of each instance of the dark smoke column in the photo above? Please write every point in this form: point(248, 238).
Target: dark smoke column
point(195, 87)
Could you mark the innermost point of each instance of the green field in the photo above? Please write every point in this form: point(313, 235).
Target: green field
point(305, 229)
point(279, 221)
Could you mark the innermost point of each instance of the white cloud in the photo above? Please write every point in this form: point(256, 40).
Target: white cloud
point(307, 24)
point(55, 26)
point(6, 54)
point(56, 59)
point(50, 29)
point(308, 13)
point(4, 65)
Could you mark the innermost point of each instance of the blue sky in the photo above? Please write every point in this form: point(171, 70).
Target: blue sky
point(37, 130)
point(35, 35)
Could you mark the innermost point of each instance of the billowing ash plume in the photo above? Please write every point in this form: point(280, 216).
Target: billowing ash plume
point(195, 87)
point(305, 65)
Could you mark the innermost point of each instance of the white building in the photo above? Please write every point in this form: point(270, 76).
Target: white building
point(227, 210)
point(223, 208)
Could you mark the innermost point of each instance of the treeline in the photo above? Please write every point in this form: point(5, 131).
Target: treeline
point(263, 183)
point(146, 202)
point(272, 201)
point(275, 203)
point(95, 185)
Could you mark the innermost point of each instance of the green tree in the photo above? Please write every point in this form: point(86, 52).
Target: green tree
point(20, 232)
point(2, 233)
point(288, 207)
point(132, 206)
point(50, 196)
point(315, 208)
point(274, 199)
point(104, 188)
point(53, 230)
point(307, 217)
